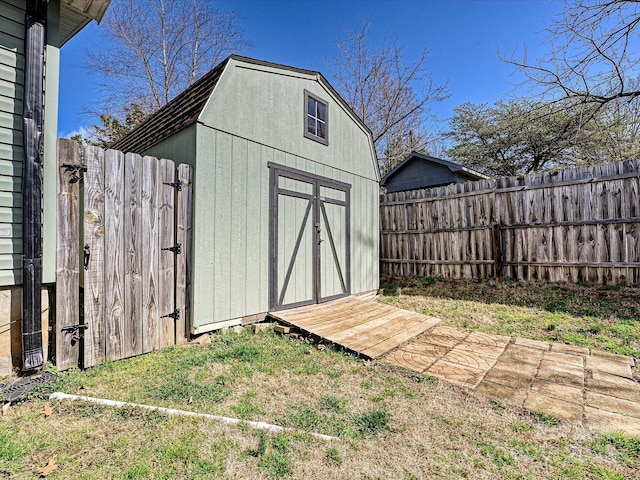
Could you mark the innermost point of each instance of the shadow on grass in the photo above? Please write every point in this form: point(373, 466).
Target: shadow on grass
point(604, 301)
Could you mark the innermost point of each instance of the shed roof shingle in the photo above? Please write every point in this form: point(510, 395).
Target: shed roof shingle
point(179, 113)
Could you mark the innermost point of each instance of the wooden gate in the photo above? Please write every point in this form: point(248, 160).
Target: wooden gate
point(309, 238)
point(123, 237)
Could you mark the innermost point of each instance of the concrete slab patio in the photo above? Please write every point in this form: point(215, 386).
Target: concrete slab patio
point(594, 388)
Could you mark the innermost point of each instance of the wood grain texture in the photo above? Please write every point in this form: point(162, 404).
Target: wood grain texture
point(67, 258)
point(95, 334)
point(575, 225)
point(128, 216)
point(166, 263)
point(183, 261)
point(114, 252)
point(150, 247)
point(363, 326)
point(133, 256)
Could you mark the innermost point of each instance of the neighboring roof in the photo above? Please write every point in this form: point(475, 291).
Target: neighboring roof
point(454, 167)
point(185, 109)
point(76, 14)
point(179, 113)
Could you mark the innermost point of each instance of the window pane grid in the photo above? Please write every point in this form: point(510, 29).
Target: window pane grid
point(316, 118)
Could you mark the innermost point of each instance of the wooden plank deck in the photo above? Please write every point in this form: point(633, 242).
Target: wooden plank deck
point(366, 327)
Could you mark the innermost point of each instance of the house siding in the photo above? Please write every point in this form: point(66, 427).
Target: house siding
point(420, 174)
point(12, 32)
point(12, 21)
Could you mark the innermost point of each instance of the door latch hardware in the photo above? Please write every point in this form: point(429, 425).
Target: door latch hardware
point(175, 315)
point(87, 254)
point(75, 331)
point(177, 185)
point(177, 249)
point(75, 170)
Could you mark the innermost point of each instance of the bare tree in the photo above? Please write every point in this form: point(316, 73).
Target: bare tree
point(390, 96)
point(594, 57)
point(154, 49)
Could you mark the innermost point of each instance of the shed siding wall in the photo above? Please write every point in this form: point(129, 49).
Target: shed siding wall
point(266, 105)
point(12, 59)
point(180, 147)
point(231, 225)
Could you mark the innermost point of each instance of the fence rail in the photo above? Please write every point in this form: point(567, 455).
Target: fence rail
point(574, 225)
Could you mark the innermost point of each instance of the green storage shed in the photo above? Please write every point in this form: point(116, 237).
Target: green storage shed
point(286, 188)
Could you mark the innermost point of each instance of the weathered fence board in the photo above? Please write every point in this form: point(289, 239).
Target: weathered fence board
point(576, 225)
point(95, 333)
point(183, 238)
point(67, 259)
point(132, 333)
point(114, 249)
point(136, 280)
point(166, 268)
point(150, 245)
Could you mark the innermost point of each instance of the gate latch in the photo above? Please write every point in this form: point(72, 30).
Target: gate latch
point(75, 331)
point(177, 249)
point(175, 315)
point(87, 254)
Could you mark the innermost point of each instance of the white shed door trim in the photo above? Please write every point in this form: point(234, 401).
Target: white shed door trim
point(309, 238)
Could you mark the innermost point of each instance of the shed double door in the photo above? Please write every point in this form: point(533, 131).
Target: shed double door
point(309, 238)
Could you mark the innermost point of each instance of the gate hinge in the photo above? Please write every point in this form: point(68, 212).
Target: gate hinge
point(177, 185)
point(75, 170)
point(177, 249)
point(74, 330)
point(175, 315)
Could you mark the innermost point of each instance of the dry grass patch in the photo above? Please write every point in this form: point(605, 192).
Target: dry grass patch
point(390, 423)
point(599, 317)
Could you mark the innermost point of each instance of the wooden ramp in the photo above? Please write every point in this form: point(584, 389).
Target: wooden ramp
point(363, 326)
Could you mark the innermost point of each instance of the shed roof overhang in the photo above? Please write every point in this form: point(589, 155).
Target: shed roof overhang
point(76, 14)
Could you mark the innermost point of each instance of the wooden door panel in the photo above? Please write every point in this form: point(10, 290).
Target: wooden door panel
point(333, 250)
point(309, 238)
point(295, 252)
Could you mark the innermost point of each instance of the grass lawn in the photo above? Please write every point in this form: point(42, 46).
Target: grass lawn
point(599, 317)
point(390, 424)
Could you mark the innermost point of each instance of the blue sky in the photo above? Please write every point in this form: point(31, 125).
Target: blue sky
point(462, 36)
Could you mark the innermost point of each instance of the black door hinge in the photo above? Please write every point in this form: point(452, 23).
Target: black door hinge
point(75, 170)
point(175, 315)
point(177, 185)
point(75, 331)
point(177, 249)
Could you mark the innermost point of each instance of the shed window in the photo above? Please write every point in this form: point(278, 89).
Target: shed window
point(316, 120)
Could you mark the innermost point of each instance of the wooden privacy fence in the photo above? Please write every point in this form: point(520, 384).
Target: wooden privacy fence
point(123, 234)
point(574, 225)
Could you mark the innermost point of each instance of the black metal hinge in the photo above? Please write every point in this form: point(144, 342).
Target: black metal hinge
point(177, 185)
point(75, 331)
point(175, 315)
point(75, 170)
point(177, 249)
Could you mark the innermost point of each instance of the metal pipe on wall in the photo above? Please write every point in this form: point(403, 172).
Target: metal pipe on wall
point(32, 129)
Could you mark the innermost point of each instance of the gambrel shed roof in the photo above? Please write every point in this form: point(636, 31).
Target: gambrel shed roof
point(185, 109)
